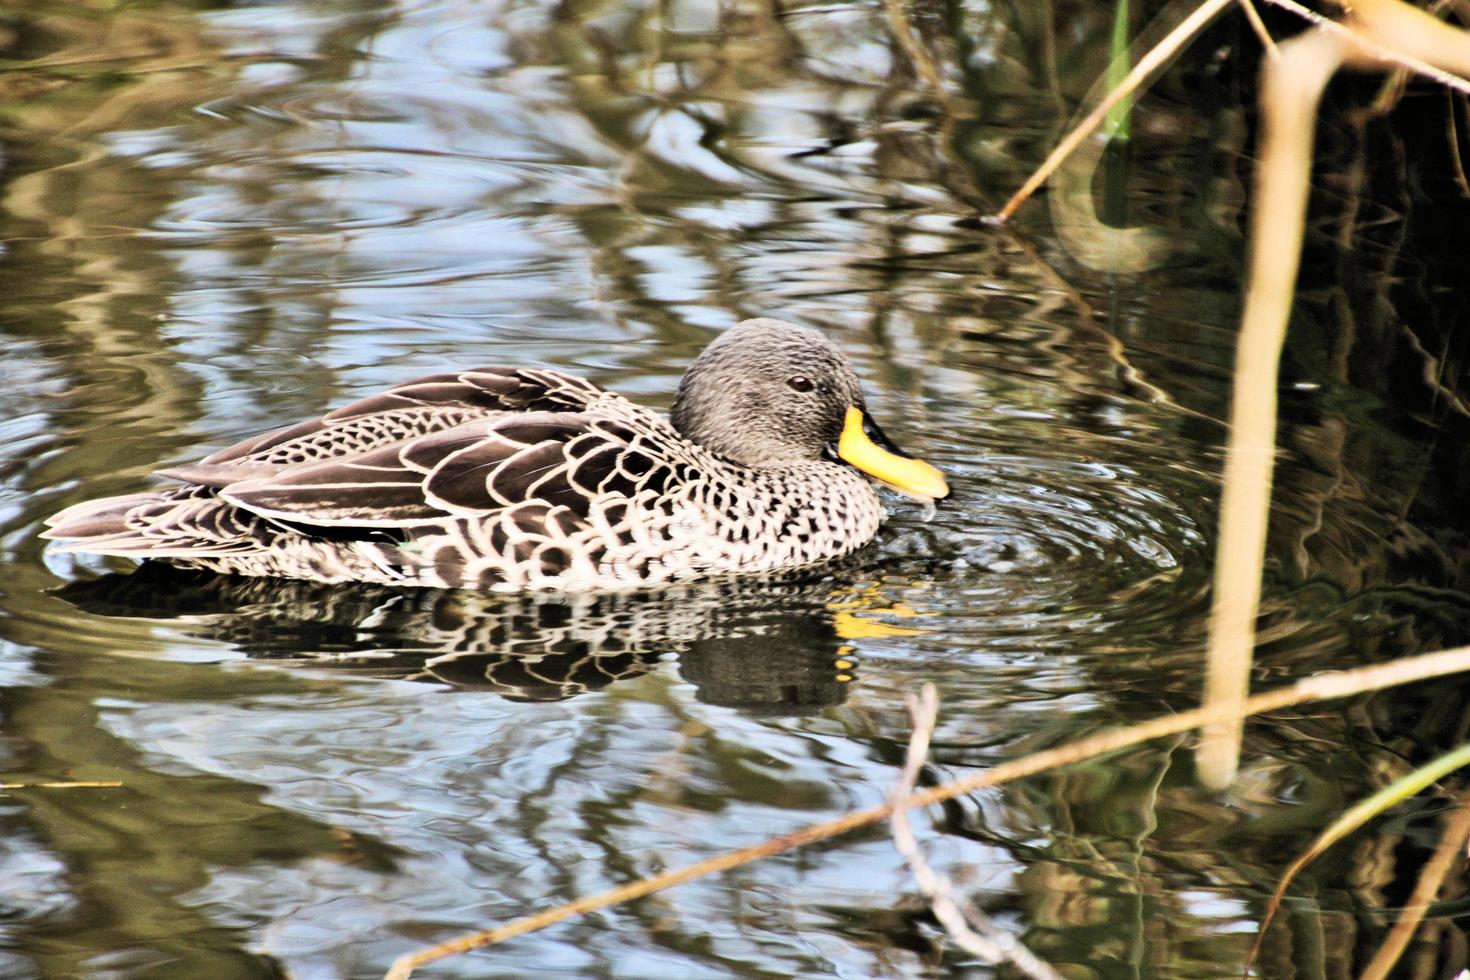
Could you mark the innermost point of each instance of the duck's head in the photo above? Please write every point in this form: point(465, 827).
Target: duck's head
point(770, 393)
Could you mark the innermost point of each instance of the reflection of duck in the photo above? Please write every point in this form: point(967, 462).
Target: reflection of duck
point(513, 479)
point(759, 645)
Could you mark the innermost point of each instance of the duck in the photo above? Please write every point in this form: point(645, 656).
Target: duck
point(513, 479)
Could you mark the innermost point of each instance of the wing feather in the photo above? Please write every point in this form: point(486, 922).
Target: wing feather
point(375, 489)
point(425, 405)
point(557, 459)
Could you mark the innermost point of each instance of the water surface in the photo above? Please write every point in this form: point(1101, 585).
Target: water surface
point(219, 219)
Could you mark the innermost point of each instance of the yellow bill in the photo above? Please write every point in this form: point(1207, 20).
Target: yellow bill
point(903, 473)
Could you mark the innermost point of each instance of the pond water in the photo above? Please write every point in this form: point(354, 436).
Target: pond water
point(218, 219)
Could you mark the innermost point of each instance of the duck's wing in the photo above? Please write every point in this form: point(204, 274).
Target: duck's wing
point(573, 463)
point(424, 406)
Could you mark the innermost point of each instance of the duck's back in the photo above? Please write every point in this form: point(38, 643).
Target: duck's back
point(404, 412)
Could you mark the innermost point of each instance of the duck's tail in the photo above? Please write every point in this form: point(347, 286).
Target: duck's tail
point(182, 522)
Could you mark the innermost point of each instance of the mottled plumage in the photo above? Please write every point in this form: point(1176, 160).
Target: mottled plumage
point(513, 478)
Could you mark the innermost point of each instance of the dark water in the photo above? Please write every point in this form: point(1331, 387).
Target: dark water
point(219, 219)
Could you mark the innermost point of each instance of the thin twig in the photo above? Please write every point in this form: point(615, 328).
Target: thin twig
point(995, 945)
point(1456, 832)
point(1323, 687)
point(91, 785)
point(1382, 52)
point(1253, 17)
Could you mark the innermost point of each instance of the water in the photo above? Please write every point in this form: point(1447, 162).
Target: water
point(217, 220)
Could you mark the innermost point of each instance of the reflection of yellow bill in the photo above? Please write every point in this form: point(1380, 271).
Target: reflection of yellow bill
point(911, 476)
point(850, 627)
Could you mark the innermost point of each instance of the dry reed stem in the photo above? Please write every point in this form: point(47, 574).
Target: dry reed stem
point(1157, 58)
point(1375, 50)
point(1405, 32)
point(1426, 889)
point(1253, 17)
point(985, 940)
point(85, 785)
point(1323, 687)
point(1291, 87)
point(1383, 49)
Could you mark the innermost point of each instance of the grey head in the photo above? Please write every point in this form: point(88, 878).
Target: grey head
point(767, 393)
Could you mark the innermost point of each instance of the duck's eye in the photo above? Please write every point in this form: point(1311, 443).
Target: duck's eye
point(800, 382)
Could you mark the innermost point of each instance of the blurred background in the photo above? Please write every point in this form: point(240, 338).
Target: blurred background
point(219, 218)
